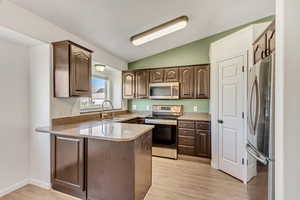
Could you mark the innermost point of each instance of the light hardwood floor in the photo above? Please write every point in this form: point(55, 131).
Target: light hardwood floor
point(172, 180)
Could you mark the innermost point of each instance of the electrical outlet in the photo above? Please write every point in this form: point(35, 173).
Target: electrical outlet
point(195, 108)
point(133, 107)
point(147, 107)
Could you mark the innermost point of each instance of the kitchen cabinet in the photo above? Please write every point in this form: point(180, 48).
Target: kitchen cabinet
point(194, 81)
point(68, 165)
point(265, 44)
point(202, 82)
point(194, 138)
point(186, 82)
point(142, 84)
point(157, 76)
point(128, 78)
point(93, 169)
point(72, 70)
point(171, 74)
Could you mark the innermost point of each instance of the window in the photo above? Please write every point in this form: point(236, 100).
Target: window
point(100, 92)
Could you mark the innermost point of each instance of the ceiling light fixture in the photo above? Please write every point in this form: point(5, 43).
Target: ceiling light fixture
point(160, 31)
point(99, 68)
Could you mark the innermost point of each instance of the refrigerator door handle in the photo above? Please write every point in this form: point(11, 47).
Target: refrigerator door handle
point(252, 122)
point(258, 156)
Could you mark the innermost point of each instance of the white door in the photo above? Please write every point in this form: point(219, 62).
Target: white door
point(231, 117)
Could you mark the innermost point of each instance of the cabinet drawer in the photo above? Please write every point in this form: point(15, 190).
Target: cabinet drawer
point(186, 140)
point(186, 150)
point(186, 132)
point(186, 124)
point(203, 125)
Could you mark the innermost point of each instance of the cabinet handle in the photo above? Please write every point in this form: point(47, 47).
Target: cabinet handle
point(220, 121)
point(262, 54)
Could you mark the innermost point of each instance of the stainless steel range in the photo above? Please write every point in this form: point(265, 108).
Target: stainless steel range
point(164, 117)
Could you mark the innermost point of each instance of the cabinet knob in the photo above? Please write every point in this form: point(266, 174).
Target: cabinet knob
point(220, 121)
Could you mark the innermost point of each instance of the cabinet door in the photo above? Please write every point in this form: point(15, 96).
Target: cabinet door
point(171, 75)
point(142, 83)
point(203, 144)
point(128, 85)
point(156, 76)
point(187, 82)
point(202, 80)
point(80, 69)
point(271, 40)
point(68, 165)
point(260, 48)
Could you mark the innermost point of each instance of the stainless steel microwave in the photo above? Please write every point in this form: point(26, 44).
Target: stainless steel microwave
point(164, 90)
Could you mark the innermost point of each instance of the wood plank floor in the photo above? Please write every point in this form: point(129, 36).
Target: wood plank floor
point(172, 180)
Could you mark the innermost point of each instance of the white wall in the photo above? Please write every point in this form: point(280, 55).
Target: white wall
point(287, 100)
point(14, 115)
point(39, 114)
point(25, 22)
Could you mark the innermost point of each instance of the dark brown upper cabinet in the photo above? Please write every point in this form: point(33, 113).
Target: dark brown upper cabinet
point(128, 84)
point(202, 82)
point(142, 84)
point(171, 75)
point(265, 44)
point(72, 70)
point(186, 82)
point(156, 75)
point(67, 165)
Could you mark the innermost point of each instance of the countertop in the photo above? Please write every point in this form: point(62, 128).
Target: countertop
point(104, 130)
point(129, 116)
point(195, 116)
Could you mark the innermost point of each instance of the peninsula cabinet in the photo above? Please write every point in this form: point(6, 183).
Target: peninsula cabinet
point(186, 82)
point(94, 169)
point(72, 70)
point(68, 165)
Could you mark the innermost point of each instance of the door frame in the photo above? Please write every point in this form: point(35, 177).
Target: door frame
point(214, 107)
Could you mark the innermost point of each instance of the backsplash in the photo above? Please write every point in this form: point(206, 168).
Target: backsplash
point(188, 104)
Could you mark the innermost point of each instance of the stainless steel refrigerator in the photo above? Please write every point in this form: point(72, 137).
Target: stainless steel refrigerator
point(261, 138)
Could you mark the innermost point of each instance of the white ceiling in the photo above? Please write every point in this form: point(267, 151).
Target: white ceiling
point(110, 23)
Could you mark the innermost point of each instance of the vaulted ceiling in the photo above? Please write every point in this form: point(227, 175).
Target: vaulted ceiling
point(110, 23)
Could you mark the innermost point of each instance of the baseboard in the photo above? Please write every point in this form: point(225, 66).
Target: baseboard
point(13, 187)
point(40, 184)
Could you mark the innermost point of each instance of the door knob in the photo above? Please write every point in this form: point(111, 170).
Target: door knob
point(220, 121)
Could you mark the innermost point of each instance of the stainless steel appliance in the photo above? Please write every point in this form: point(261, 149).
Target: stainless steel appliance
point(164, 138)
point(261, 139)
point(164, 90)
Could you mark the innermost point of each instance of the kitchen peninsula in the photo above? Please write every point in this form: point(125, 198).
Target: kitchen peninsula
point(101, 159)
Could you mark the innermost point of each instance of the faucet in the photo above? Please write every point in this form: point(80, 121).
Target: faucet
point(107, 101)
point(107, 115)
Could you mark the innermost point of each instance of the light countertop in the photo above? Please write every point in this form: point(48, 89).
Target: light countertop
point(104, 130)
point(195, 116)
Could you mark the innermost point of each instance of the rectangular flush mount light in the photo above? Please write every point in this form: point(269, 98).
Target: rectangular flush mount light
point(159, 31)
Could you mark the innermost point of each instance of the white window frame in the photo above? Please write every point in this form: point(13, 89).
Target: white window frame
point(97, 107)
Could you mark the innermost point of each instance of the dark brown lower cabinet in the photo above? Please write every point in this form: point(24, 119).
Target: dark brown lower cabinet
point(96, 169)
point(203, 144)
point(194, 138)
point(68, 165)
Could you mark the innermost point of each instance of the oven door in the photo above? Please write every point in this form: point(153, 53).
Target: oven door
point(164, 136)
point(164, 90)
